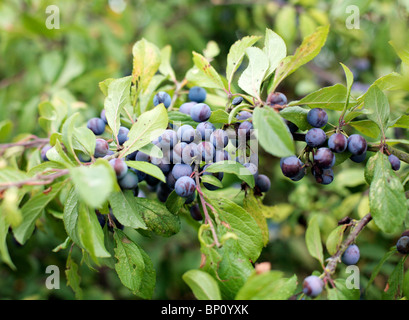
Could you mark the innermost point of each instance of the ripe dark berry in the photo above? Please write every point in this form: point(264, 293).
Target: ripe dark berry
point(190, 154)
point(263, 183)
point(185, 186)
point(218, 175)
point(119, 166)
point(315, 137)
point(96, 125)
point(221, 155)
point(186, 107)
point(351, 255)
point(177, 151)
point(200, 112)
point(236, 101)
point(245, 128)
point(357, 144)
point(312, 286)
point(403, 245)
point(317, 117)
point(219, 139)
point(252, 168)
point(83, 157)
point(358, 158)
point(323, 176)
point(337, 143)
point(205, 129)
point(163, 192)
point(243, 115)
point(168, 139)
point(101, 148)
point(195, 212)
point(103, 116)
point(142, 156)
point(129, 181)
point(181, 170)
point(395, 162)
point(170, 180)
point(299, 176)
point(186, 133)
point(122, 135)
point(206, 150)
point(324, 158)
point(291, 166)
point(291, 126)
point(162, 97)
point(276, 98)
point(197, 94)
point(44, 152)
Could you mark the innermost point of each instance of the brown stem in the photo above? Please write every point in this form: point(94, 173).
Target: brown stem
point(34, 142)
point(39, 179)
point(208, 220)
point(336, 258)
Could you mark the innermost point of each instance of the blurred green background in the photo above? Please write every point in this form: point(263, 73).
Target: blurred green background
point(94, 42)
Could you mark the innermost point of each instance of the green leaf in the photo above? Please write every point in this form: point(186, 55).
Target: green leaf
point(332, 98)
point(335, 238)
point(377, 102)
point(70, 216)
point(103, 85)
point(4, 252)
point(58, 155)
point(401, 122)
point(268, 286)
point(307, 51)
point(219, 116)
point(165, 67)
point(208, 71)
point(405, 285)
point(272, 133)
point(341, 292)
point(146, 61)
point(366, 127)
point(275, 50)
point(236, 55)
point(84, 140)
point(210, 179)
point(174, 203)
point(228, 265)
point(240, 222)
point(203, 285)
point(296, 115)
point(94, 183)
point(148, 168)
point(149, 126)
point(252, 77)
point(73, 278)
point(32, 210)
point(395, 282)
point(234, 168)
point(179, 118)
point(258, 211)
point(387, 199)
point(134, 267)
point(90, 233)
point(117, 99)
point(313, 239)
point(130, 266)
point(157, 217)
point(124, 208)
point(378, 267)
point(68, 132)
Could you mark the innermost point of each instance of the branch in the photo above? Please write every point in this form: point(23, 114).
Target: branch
point(208, 220)
point(39, 179)
point(34, 142)
point(336, 258)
